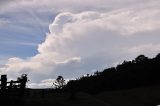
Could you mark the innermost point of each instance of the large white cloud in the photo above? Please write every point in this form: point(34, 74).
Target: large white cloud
point(80, 43)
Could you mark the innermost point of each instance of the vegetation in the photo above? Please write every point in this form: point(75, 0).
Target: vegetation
point(131, 83)
point(59, 83)
point(140, 72)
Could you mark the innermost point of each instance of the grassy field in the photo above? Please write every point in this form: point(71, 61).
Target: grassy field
point(63, 99)
point(146, 96)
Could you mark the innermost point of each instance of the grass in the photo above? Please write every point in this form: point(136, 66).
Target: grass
point(144, 96)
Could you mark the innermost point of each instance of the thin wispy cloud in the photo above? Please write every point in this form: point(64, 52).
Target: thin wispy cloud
point(4, 22)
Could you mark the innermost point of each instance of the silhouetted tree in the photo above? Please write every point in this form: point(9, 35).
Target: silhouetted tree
point(141, 58)
point(59, 82)
point(23, 79)
point(158, 56)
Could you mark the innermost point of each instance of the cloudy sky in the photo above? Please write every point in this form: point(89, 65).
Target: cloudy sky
point(71, 38)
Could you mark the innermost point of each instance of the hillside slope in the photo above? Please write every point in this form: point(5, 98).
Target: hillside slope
point(62, 99)
point(144, 96)
point(141, 72)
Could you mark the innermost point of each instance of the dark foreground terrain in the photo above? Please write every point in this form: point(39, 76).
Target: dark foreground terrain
point(132, 83)
point(144, 96)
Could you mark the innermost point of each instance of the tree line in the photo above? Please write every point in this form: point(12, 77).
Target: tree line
point(142, 71)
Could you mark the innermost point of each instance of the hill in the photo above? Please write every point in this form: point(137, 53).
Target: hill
point(131, 83)
point(140, 72)
point(143, 96)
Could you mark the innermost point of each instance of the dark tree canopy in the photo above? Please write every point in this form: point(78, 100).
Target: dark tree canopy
point(158, 56)
point(142, 71)
point(141, 58)
point(59, 82)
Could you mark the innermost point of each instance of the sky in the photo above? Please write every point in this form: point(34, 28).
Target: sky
point(47, 38)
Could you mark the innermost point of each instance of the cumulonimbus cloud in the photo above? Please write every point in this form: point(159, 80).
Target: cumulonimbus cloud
point(81, 42)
